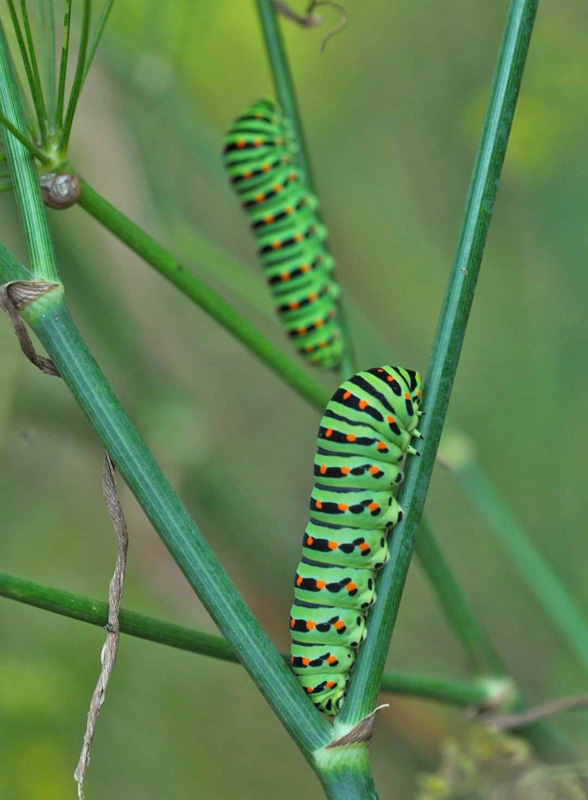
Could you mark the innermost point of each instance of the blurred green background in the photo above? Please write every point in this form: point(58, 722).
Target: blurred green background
point(392, 110)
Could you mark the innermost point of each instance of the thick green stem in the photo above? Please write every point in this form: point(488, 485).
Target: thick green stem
point(345, 774)
point(210, 302)
point(477, 644)
point(24, 176)
point(95, 612)
point(49, 317)
point(445, 356)
point(286, 94)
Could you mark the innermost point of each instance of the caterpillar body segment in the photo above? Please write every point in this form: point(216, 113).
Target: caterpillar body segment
point(364, 437)
point(260, 161)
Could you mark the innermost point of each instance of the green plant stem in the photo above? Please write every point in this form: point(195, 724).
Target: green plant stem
point(49, 318)
point(142, 626)
point(24, 175)
point(445, 355)
point(476, 642)
point(533, 567)
point(211, 302)
point(345, 773)
point(47, 26)
point(286, 94)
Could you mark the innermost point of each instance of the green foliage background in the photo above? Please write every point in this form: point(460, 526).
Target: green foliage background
point(392, 111)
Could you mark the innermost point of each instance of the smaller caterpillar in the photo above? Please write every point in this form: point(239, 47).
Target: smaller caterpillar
point(260, 160)
point(363, 438)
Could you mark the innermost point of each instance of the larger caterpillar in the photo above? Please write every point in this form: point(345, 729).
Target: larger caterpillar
point(260, 160)
point(363, 438)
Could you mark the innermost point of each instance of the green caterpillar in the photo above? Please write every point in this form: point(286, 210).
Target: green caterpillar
point(363, 438)
point(260, 160)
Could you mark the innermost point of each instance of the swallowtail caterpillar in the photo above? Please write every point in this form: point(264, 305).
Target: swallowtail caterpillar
point(60, 189)
point(260, 160)
point(364, 436)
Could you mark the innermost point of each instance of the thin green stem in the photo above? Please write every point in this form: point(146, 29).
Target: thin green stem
point(477, 644)
point(36, 86)
point(63, 64)
point(78, 80)
point(537, 573)
point(95, 612)
point(211, 302)
point(22, 138)
point(286, 94)
point(445, 355)
point(24, 176)
point(97, 36)
point(49, 318)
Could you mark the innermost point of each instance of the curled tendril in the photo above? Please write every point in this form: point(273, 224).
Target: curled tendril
point(312, 20)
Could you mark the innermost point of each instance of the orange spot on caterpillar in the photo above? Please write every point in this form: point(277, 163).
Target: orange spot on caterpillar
point(312, 297)
point(381, 446)
point(318, 323)
point(345, 470)
point(268, 218)
point(276, 245)
point(391, 420)
point(407, 396)
point(309, 541)
point(310, 624)
point(320, 584)
point(351, 437)
point(259, 198)
point(293, 176)
point(333, 545)
point(391, 378)
point(298, 237)
point(241, 143)
point(285, 276)
point(247, 174)
point(323, 469)
point(351, 587)
point(302, 331)
point(380, 369)
point(363, 404)
point(294, 304)
point(318, 504)
point(299, 580)
point(305, 268)
point(364, 546)
point(308, 688)
point(331, 660)
point(289, 210)
point(292, 622)
point(373, 507)
point(265, 168)
point(308, 348)
point(339, 624)
point(330, 684)
point(278, 188)
point(329, 433)
point(324, 343)
point(374, 470)
point(306, 661)
point(346, 395)
point(342, 506)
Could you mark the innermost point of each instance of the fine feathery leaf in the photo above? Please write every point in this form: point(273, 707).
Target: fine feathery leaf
point(36, 86)
point(47, 28)
point(63, 64)
point(78, 79)
point(24, 140)
point(25, 60)
point(97, 36)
